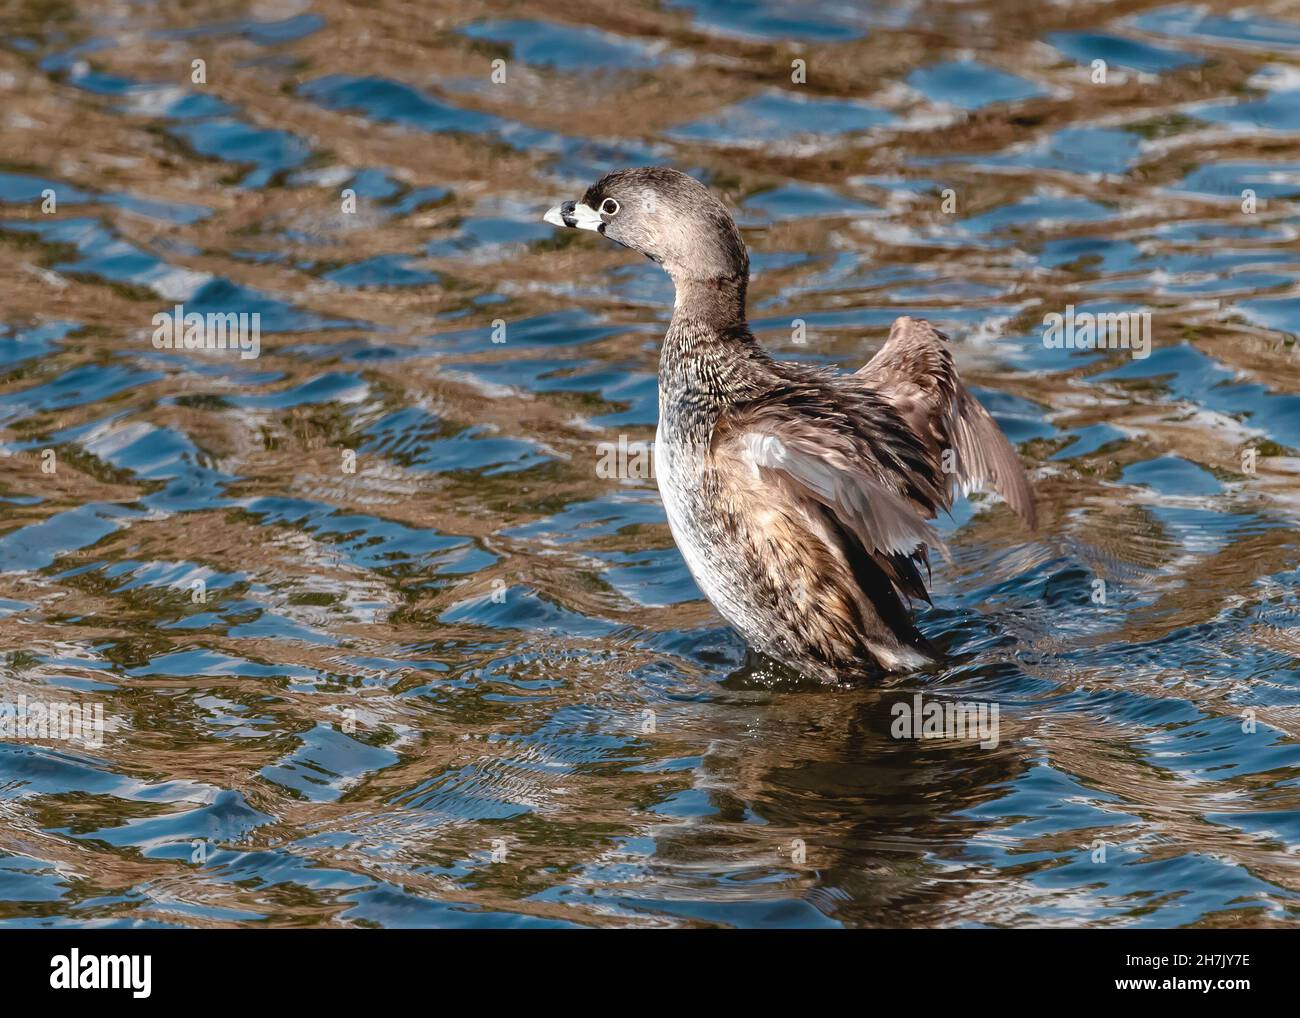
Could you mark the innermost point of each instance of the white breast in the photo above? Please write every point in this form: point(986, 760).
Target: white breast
point(676, 473)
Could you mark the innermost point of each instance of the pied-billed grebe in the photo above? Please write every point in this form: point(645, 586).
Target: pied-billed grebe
point(797, 495)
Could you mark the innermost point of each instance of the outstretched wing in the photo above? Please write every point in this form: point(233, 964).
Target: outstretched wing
point(831, 473)
point(914, 371)
point(862, 486)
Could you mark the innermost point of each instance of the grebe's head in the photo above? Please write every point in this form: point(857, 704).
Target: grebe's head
point(667, 216)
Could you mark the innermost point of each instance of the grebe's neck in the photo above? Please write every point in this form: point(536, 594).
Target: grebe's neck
point(717, 303)
point(709, 356)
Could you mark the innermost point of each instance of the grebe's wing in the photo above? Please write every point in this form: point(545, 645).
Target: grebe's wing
point(915, 372)
point(809, 447)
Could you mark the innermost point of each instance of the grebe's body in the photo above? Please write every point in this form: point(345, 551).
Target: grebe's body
point(797, 495)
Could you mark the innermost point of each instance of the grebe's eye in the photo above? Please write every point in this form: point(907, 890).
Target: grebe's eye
point(609, 206)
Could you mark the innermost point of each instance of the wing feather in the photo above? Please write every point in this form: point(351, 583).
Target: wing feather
point(914, 371)
point(811, 446)
point(881, 518)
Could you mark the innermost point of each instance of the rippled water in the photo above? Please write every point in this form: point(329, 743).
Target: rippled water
point(471, 682)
